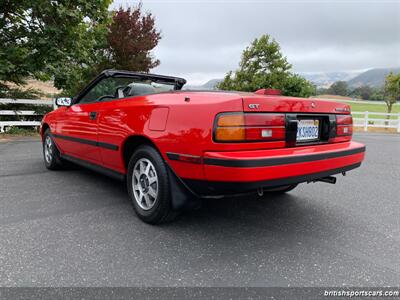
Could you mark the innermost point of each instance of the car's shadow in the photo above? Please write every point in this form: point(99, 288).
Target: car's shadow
point(289, 215)
point(282, 212)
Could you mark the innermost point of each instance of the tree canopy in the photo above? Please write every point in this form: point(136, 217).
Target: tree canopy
point(72, 41)
point(263, 66)
point(392, 90)
point(39, 36)
point(131, 37)
point(364, 92)
point(339, 88)
point(126, 45)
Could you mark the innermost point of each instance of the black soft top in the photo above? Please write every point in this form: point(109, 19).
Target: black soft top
point(176, 81)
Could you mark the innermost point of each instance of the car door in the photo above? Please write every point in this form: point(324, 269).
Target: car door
point(77, 128)
point(76, 132)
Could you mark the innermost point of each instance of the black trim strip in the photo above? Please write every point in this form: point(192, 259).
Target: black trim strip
point(222, 188)
point(95, 167)
point(87, 142)
point(107, 146)
point(173, 156)
point(265, 162)
point(195, 159)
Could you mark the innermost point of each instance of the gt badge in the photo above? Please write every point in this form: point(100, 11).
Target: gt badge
point(254, 106)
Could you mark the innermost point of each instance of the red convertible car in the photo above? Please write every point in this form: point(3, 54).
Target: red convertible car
point(174, 147)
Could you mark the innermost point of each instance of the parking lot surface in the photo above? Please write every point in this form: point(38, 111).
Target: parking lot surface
point(77, 228)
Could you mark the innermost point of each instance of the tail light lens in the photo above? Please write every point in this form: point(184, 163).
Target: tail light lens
point(344, 125)
point(249, 127)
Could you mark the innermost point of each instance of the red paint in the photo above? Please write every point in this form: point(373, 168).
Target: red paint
point(158, 119)
point(215, 173)
point(178, 126)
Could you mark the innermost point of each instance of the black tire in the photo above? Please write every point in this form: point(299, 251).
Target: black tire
point(281, 189)
point(53, 160)
point(160, 209)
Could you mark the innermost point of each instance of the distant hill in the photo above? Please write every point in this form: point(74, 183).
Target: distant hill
point(325, 79)
point(45, 88)
point(209, 85)
point(372, 78)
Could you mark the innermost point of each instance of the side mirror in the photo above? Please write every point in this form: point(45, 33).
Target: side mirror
point(64, 101)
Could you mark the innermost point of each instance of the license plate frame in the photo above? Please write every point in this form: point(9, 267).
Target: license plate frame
point(308, 130)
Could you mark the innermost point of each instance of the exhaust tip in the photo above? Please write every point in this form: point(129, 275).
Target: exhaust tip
point(328, 179)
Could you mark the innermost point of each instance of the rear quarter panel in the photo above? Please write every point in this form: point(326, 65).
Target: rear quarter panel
point(188, 126)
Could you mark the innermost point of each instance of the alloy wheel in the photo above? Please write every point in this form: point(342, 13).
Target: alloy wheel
point(48, 149)
point(145, 183)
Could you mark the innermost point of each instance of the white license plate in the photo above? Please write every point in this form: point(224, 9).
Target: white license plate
point(307, 130)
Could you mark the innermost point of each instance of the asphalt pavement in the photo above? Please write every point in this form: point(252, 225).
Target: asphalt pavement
point(77, 228)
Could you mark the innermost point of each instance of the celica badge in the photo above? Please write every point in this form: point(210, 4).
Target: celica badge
point(312, 104)
point(342, 109)
point(253, 105)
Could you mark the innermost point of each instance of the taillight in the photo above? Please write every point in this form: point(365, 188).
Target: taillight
point(344, 125)
point(249, 127)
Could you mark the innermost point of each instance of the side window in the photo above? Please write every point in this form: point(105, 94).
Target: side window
point(106, 89)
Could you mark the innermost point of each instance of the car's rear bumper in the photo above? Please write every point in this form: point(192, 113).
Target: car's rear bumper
point(240, 171)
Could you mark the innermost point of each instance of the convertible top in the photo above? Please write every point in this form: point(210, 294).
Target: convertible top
point(179, 82)
point(176, 81)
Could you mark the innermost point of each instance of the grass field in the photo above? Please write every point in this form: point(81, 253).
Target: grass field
point(361, 106)
point(372, 107)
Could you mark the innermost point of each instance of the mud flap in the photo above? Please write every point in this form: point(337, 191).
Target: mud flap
point(182, 197)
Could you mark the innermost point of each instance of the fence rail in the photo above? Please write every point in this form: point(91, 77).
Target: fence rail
point(368, 119)
point(17, 113)
point(25, 123)
point(26, 101)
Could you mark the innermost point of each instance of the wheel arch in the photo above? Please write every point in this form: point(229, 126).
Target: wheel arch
point(44, 127)
point(131, 143)
point(183, 197)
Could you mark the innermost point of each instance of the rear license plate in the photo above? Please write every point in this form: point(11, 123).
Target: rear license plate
point(307, 130)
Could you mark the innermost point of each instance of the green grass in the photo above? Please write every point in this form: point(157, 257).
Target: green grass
point(20, 132)
point(371, 107)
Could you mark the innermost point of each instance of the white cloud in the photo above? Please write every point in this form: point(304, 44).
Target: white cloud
point(204, 39)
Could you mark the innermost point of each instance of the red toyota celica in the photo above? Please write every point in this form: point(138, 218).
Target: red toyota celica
point(174, 147)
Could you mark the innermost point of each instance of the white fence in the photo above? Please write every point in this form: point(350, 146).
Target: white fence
point(368, 119)
point(7, 124)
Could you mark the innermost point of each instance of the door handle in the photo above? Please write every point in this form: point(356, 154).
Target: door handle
point(93, 115)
